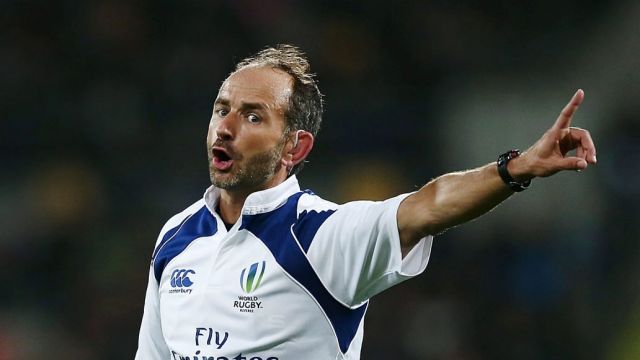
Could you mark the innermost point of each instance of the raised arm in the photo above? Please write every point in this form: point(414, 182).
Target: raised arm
point(458, 197)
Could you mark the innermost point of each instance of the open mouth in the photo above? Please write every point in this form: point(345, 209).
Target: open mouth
point(221, 158)
point(221, 154)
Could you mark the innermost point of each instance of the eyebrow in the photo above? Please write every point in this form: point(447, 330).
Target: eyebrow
point(243, 106)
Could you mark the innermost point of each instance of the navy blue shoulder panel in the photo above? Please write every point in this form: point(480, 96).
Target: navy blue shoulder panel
point(168, 235)
point(199, 224)
point(308, 224)
point(274, 230)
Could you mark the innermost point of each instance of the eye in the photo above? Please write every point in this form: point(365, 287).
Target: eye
point(253, 118)
point(222, 112)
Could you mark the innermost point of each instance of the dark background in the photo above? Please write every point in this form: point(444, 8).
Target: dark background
point(104, 108)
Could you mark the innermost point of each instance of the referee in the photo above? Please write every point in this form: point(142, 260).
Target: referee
point(258, 269)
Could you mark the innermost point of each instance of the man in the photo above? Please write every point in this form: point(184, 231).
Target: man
point(259, 270)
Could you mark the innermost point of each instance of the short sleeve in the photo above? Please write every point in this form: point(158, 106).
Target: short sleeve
point(356, 251)
point(151, 343)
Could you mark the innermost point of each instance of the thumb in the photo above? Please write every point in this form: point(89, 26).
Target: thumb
point(573, 163)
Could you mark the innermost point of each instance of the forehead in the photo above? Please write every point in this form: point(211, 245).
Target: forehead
point(271, 87)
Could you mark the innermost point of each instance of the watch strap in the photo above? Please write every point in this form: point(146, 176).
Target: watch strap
point(502, 162)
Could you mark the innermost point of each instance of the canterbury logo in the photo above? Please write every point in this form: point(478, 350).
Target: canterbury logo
point(248, 281)
point(180, 278)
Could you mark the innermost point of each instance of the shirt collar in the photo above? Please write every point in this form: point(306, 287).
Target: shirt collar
point(259, 201)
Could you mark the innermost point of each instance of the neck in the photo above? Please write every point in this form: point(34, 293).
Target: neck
point(232, 201)
point(230, 205)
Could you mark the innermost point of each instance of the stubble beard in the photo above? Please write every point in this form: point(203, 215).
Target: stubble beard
point(251, 175)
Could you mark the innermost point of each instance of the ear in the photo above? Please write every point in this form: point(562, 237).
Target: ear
point(297, 149)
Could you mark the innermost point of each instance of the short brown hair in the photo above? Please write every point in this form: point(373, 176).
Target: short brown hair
point(305, 104)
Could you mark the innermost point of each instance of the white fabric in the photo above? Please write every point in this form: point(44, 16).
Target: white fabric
point(355, 253)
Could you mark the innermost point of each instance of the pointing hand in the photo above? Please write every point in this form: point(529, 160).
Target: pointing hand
point(549, 154)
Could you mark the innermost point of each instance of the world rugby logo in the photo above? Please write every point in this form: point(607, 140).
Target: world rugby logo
point(248, 281)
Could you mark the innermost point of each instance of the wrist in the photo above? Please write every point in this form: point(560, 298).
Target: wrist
point(518, 168)
point(505, 168)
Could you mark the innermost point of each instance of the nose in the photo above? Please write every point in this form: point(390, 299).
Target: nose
point(225, 127)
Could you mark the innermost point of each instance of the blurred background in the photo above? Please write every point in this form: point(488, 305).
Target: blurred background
point(104, 109)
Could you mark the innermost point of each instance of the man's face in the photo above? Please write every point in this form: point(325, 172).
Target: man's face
point(246, 134)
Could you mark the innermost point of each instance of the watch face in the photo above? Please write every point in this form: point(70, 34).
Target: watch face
point(504, 174)
point(514, 154)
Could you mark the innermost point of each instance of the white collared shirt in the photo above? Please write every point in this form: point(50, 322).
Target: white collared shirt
point(290, 280)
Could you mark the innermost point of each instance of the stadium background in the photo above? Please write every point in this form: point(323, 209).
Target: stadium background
point(105, 106)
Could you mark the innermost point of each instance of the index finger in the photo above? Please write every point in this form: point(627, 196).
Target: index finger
point(564, 119)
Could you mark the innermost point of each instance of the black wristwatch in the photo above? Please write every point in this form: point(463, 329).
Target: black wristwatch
point(502, 162)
